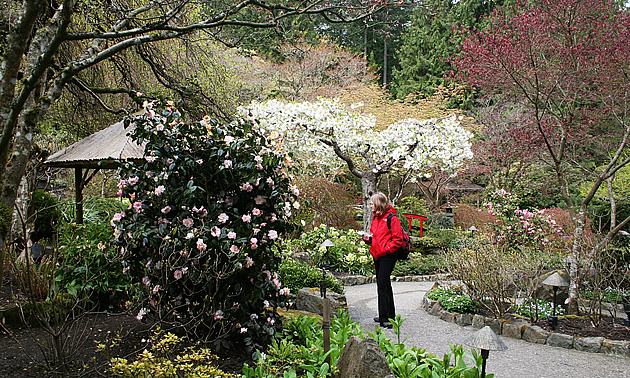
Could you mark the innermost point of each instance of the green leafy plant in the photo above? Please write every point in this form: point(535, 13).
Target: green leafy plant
point(536, 309)
point(296, 275)
point(90, 265)
point(452, 299)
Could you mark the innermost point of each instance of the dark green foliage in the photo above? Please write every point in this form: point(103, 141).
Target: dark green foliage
point(420, 265)
point(430, 41)
point(6, 216)
point(436, 238)
point(47, 215)
point(296, 275)
point(95, 209)
point(89, 264)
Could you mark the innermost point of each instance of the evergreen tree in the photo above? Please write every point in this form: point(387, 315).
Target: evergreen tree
point(429, 42)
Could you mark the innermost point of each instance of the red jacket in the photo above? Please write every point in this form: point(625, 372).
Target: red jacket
point(385, 242)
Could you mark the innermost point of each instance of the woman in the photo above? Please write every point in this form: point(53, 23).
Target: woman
point(385, 243)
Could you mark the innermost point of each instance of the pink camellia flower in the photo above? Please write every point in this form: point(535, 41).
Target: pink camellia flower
point(201, 245)
point(137, 206)
point(253, 241)
point(256, 231)
point(159, 190)
point(249, 262)
point(243, 330)
point(215, 231)
point(223, 217)
point(231, 235)
point(187, 222)
point(133, 180)
point(273, 234)
point(119, 193)
point(259, 200)
point(247, 187)
point(166, 209)
point(228, 139)
point(227, 163)
point(122, 184)
point(246, 218)
point(234, 249)
point(270, 181)
point(253, 317)
point(184, 253)
point(178, 274)
point(218, 315)
point(149, 159)
point(149, 174)
point(257, 212)
point(117, 217)
point(169, 161)
point(285, 291)
point(258, 159)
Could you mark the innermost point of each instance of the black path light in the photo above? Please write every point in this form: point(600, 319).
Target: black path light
point(472, 230)
point(626, 309)
point(486, 340)
point(326, 301)
point(555, 281)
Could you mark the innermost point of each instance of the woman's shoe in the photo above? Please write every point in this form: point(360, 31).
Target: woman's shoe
point(386, 325)
point(377, 319)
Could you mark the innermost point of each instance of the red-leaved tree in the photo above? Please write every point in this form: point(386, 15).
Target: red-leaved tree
point(569, 60)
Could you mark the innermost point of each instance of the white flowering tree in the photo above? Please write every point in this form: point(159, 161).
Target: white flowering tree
point(327, 132)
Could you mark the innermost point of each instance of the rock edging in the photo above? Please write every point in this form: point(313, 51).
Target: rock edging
point(520, 329)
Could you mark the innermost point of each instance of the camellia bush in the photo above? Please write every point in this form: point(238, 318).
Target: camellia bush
point(207, 205)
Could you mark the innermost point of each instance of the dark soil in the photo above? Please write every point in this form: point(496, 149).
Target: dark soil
point(24, 351)
point(582, 326)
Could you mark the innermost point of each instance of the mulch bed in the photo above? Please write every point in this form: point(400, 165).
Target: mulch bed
point(23, 350)
point(583, 326)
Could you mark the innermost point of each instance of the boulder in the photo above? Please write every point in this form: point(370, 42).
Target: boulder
point(435, 309)
point(514, 329)
point(535, 334)
point(310, 300)
point(363, 359)
point(560, 340)
point(495, 324)
point(478, 321)
point(302, 257)
point(616, 347)
point(463, 319)
point(588, 344)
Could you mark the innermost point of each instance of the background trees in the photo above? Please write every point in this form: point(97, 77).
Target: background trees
point(51, 47)
point(568, 61)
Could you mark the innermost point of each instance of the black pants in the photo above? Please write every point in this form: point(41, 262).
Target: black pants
point(384, 267)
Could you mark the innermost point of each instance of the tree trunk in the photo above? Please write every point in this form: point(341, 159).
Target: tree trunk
point(385, 61)
point(368, 186)
point(574, 267)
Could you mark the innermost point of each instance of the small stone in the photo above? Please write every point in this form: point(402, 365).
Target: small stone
point(447, 316)
point(478, 321)
point(535, 334)
point(463, 319)
point(513, 329)
point(435, 309)
point(616, 347)
point(495, 324)
point(588, 344)
point(560, 340)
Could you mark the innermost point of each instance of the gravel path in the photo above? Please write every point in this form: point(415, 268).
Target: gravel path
point(522, 359)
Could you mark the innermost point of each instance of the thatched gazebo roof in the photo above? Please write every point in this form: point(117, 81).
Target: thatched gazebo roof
point(97, 151)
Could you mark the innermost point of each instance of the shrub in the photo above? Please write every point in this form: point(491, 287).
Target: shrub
point(47, 215)
point(208, 204)
point(89, 264)
point(420, 265)
point(436, 238)
point(296, 275)
point(165, 360)
point(535, 309)
point(452, 299)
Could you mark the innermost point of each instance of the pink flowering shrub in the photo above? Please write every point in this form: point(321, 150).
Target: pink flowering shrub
point(523, 227)
point(208, 204)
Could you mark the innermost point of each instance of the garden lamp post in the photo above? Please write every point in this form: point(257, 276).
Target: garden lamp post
point(486, 340)
point(326, 301)
point(472, 230)
point(555, 281)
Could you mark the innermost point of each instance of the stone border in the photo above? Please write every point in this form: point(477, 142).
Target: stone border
point(520, 329)
point(352, 280)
